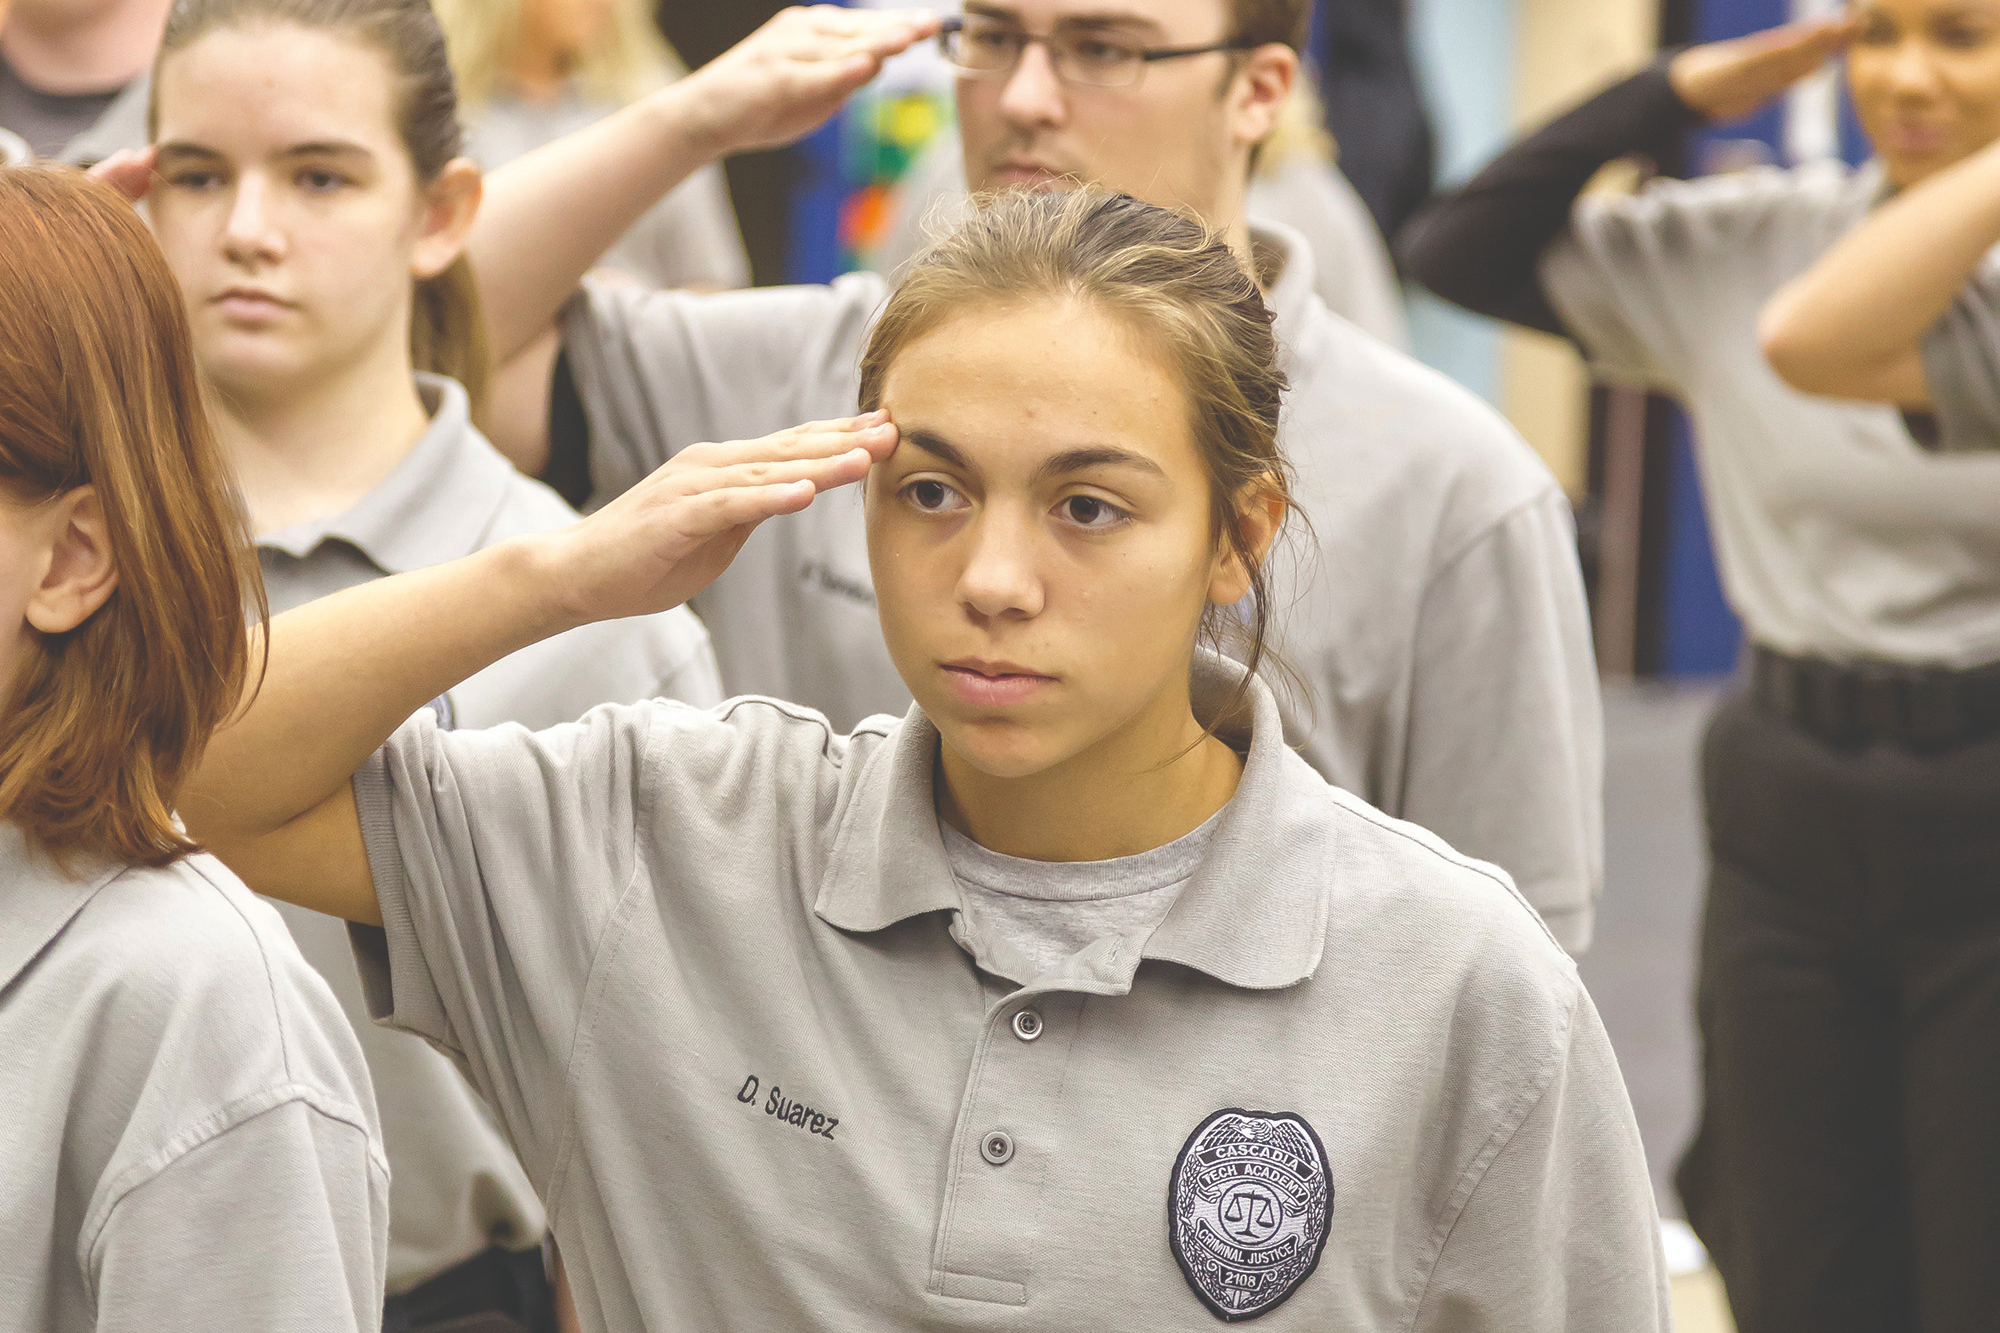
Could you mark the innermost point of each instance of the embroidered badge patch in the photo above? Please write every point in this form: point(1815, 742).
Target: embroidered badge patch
point(1247, 1210)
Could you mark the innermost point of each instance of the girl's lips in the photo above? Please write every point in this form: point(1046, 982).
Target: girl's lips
point(984, 691)
point(252, 307)
point(1915, 138)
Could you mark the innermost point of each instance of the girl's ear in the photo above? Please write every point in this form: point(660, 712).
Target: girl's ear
point(1260, 510)
point(451, 202)
point(80, 575)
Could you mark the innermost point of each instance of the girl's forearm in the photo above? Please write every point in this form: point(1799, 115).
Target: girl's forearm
point(345, 671)
point(1844, 326)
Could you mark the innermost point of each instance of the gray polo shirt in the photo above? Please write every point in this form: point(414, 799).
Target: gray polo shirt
point(711, 967)
point(458, 1187)
point(1436, 616)
point(187, 1139)
point(1961, 356)
point(1836, 534)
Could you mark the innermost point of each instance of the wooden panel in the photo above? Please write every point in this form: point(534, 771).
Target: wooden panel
point(1567, 49)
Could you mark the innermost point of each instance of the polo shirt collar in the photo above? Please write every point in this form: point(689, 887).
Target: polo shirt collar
point(39, 898)
point(437, 505)
point(1254, 914)
point(1292, 295)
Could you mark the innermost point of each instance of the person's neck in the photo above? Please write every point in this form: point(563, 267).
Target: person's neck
point(1231, 216)
point(92, 53)
point(306, 452)
point(538, 72)
point(1157, 779)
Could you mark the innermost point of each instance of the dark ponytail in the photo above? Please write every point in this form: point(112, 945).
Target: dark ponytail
point(447, 333)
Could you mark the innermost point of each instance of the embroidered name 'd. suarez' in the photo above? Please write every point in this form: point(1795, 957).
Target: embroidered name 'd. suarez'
point(790, 1110)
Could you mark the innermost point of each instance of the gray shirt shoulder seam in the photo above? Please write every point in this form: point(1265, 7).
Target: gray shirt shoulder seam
point(1400, 828)
point(1487, 530)
point(1503, 1135)
point(215, 1125)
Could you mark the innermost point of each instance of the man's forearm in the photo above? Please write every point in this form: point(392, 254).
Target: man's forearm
point(345, 671)
point(529, 252)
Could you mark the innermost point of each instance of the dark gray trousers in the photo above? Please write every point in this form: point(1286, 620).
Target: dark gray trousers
point(1846, 1175)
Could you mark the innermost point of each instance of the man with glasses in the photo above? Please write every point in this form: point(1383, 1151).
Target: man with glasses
point(1435, 613)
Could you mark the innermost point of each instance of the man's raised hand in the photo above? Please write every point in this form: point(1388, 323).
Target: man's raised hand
point(785, 79)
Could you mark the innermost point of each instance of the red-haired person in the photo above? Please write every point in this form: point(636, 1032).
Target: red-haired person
point(179, 1090)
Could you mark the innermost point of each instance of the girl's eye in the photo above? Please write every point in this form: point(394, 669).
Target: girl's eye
point(932, 497)
point(1087, 511)
point(319, 182)
point(194, 180)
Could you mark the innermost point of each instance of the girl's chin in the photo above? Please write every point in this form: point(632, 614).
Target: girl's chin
point(996, 748)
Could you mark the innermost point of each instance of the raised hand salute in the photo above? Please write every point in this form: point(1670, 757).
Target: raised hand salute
point(1728, 80)
point(343, 672)
point(777, 84)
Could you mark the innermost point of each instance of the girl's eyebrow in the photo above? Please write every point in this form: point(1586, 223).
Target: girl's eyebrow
point(1057, 465)
point(178, 148)
point(939, 448)
point(1097, 455)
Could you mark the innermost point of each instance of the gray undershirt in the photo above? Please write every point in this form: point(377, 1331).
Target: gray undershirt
point(1051, 910)
point(48, 121)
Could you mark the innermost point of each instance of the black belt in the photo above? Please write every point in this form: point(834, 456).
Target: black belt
point(1852, 705)
point(495, 1291)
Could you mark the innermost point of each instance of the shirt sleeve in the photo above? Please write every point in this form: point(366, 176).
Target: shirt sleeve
point(1961, 356)
point(1637, 278)
point(1478, 245)
point(498, 857)
point(1559, 1232)
point(280, 1224)
point(656, 371)
point(1505, 742)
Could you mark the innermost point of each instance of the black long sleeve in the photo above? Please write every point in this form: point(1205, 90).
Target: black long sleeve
point(1480, 246)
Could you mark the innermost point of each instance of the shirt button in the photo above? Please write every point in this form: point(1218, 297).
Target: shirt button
point(997, 1147)
point(1027, 1024)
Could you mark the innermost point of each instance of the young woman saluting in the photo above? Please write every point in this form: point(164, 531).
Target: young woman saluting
point(1846, 1175)
point(1073, 999)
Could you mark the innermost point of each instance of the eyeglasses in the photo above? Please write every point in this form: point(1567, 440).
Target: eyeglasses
point(986, 47)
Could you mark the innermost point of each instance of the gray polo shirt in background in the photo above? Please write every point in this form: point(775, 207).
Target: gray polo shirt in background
point(458, 1187)
point(1436, 615)
point(187, 1139)
point(1961, 356)
point(1836, 534)
point(83, 130)
point(712, 970)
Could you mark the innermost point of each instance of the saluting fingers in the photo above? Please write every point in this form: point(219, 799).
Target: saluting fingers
point(824, 473)
point(818, 439)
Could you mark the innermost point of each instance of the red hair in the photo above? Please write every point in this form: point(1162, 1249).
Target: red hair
point(98, 387)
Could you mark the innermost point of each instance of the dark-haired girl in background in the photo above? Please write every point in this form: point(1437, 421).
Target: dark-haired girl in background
point(1846, 1174)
